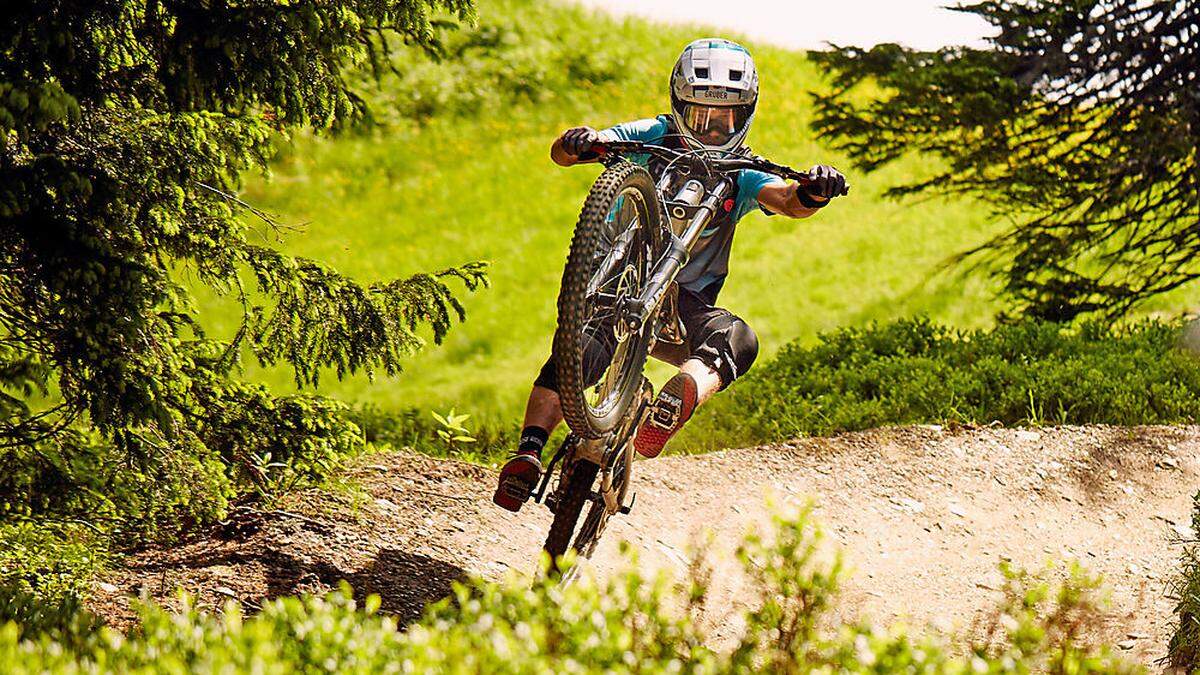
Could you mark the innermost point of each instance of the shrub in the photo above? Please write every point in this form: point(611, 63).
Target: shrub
point(53, 560)
point(62, 619)
point(914, 371)
point(417, 430)
point(45, 568)
point(1184, 648)
point(250, 444)
point(626, 624)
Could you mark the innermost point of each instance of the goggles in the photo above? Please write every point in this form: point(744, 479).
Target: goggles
point(714, 125)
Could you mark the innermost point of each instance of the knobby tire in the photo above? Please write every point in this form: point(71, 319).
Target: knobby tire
point(569, 338)
point(572, 498)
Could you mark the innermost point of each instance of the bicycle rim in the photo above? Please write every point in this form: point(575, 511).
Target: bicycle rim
point(599, 360)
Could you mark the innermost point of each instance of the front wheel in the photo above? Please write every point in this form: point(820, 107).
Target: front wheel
point(617, 241)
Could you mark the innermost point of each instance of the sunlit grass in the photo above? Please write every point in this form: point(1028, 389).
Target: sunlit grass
point(421, 198)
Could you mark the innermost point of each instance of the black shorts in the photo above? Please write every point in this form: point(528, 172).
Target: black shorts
point(713, 335)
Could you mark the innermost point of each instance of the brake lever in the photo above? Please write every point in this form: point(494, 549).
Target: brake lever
point(786, 172)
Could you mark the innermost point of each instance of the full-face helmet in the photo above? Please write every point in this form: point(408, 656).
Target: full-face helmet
point(714, 88)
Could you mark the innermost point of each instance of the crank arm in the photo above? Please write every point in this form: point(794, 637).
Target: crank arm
point(563, 450)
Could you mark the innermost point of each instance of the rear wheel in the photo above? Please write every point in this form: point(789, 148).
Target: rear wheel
point(617, 240)
point(573, 494)
point(620, 465)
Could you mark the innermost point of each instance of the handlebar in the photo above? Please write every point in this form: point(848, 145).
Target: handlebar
point(730, 163)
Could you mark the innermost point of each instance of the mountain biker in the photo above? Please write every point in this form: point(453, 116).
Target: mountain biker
point(714, 90)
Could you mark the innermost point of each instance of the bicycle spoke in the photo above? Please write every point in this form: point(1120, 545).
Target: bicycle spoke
point(618, 274)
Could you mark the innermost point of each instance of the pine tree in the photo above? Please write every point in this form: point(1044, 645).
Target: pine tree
point(125, 128)
point(1080, 124)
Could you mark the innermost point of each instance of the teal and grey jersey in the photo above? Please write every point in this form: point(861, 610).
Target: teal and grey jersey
point(709, 263)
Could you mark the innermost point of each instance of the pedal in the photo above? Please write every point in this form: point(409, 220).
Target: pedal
point(666, 411)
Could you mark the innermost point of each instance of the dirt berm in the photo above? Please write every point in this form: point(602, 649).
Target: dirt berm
point(923, 515)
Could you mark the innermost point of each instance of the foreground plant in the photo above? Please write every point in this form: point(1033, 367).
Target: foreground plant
point(1184, 648)
point(626, 624)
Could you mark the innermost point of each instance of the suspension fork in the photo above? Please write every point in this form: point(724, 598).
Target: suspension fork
point(635, 311)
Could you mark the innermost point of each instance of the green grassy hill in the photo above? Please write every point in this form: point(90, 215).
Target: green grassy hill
point(477, 183)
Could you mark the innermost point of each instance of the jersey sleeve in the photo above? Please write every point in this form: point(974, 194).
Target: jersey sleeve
point(647, 131)
point(750, 183)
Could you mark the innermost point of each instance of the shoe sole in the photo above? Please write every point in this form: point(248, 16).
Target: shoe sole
point(517, 481)
point(651, 438)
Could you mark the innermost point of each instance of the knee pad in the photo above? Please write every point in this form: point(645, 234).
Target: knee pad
point(726, 344)
point(743, 345)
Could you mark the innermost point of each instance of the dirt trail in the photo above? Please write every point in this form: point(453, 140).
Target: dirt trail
point(923, 516)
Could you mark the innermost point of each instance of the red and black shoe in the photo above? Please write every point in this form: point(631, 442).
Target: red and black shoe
point(671, 409)
point(518, 478)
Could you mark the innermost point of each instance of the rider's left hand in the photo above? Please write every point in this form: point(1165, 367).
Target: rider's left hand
point(827, 182)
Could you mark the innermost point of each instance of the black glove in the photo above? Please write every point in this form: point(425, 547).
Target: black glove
point(826, 183)
point(579, 140)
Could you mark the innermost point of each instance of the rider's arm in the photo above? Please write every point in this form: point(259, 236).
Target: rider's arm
point(781, 198)
point(649, 130)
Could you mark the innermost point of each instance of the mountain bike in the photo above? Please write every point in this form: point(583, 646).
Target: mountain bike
point(633, 237)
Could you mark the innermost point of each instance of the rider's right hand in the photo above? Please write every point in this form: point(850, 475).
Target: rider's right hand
point(578, 140)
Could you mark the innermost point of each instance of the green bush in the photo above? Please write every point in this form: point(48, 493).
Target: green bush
point(1184, 649)
point(250, 444)
point(914, 371)
point(628, 623)
point(45, 570)
point(62, 619)
point(55, 561)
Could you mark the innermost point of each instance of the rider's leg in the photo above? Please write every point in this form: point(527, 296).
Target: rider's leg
point(722, 347)
point(519, 475)
point(543, 412)
point(708, 381)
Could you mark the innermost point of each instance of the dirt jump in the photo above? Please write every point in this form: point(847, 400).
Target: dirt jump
point(923, 516)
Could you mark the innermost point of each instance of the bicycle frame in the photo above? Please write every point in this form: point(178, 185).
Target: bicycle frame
point(695, 202)
point(706, 182)
point(635, 311)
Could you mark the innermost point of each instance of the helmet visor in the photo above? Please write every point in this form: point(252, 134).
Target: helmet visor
point(715, 125)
